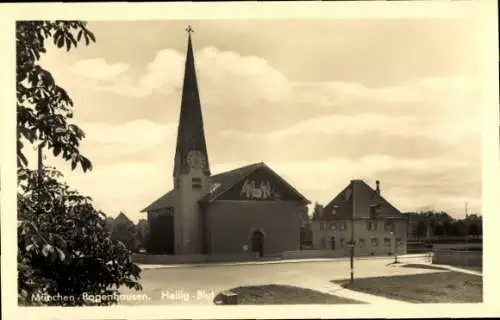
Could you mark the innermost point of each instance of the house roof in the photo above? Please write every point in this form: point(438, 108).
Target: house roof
point(358, 197)
point(225, 180)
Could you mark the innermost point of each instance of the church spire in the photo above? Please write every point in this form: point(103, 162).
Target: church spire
point(190, 134)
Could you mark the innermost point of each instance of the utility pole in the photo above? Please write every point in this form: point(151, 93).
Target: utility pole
point(466, 226)
point(351, 244)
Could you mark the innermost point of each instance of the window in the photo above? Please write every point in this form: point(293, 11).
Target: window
point(334, 210)
point(389, 226)
point(398, 242)
point(342, 226)
point(341, 242)
point(387, 242)
point(361, 243)
point(322, 226)
point(323, 243)
point(332, 241)
point(196, 183)
point(371, 225)
point(374, 242)
point(332, 226)
point(374, 210)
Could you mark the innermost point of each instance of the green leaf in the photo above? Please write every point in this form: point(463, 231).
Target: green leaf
point(57, 149)
point(60, 42)
point(61, 254)
point(79, 36)
point(47, 249)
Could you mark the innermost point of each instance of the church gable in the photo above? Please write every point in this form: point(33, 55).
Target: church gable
point(262, 185)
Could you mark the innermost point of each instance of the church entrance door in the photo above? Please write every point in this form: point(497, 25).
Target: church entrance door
point(258, 242)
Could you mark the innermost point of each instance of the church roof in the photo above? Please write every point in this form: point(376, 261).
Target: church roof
point(190, 132)
point(227, 180)
point(359, 197)
point(165, 201)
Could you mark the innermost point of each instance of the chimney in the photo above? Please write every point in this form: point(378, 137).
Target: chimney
point(378, 187)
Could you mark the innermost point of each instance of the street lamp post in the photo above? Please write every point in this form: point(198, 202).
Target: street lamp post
point(351, 245)
point(395, 247)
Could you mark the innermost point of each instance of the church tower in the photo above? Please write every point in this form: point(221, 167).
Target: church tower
point(191, 167)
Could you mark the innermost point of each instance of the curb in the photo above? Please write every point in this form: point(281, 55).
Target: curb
point(340, 259)
point(443, 266)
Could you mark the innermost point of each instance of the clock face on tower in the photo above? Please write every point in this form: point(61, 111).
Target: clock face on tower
point(196, 160)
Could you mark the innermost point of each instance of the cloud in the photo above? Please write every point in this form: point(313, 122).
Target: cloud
point(439, 182)
point(98, 69)
point(318, 135)
point(363, 124)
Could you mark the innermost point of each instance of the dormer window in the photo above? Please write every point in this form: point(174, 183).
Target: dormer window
point(334, 209)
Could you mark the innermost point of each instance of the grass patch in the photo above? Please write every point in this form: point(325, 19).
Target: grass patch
point(281, 294)
point(439, 287)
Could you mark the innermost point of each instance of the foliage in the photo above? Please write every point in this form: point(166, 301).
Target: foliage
point(442, 224)
point(64, 248)
point(63, 245)
point(124, 230)
point(317, 211)
point(43, 108)
point(142, 233)
point(421, 229)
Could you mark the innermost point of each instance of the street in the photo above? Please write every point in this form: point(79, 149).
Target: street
point(199, 284)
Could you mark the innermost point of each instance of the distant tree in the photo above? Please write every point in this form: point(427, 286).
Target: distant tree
point(142, 233)
point(460, 228)
point(421, 229)
point(109, 223)
point(124, 230)
point(317, 210)
point(439, 229)
point(474, 230)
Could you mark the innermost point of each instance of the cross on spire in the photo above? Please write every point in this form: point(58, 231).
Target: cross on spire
point(189, 29)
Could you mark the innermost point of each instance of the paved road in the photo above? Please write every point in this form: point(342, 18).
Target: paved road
point(199, 284)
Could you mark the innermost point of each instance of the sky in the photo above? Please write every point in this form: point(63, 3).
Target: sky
point(320, 101)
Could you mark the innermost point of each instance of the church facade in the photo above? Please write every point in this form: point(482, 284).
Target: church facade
point(248, 209)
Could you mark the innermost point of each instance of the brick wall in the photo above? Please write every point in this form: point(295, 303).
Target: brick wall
point(231, 225)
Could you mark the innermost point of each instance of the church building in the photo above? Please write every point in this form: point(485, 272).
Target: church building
point(250, 208)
